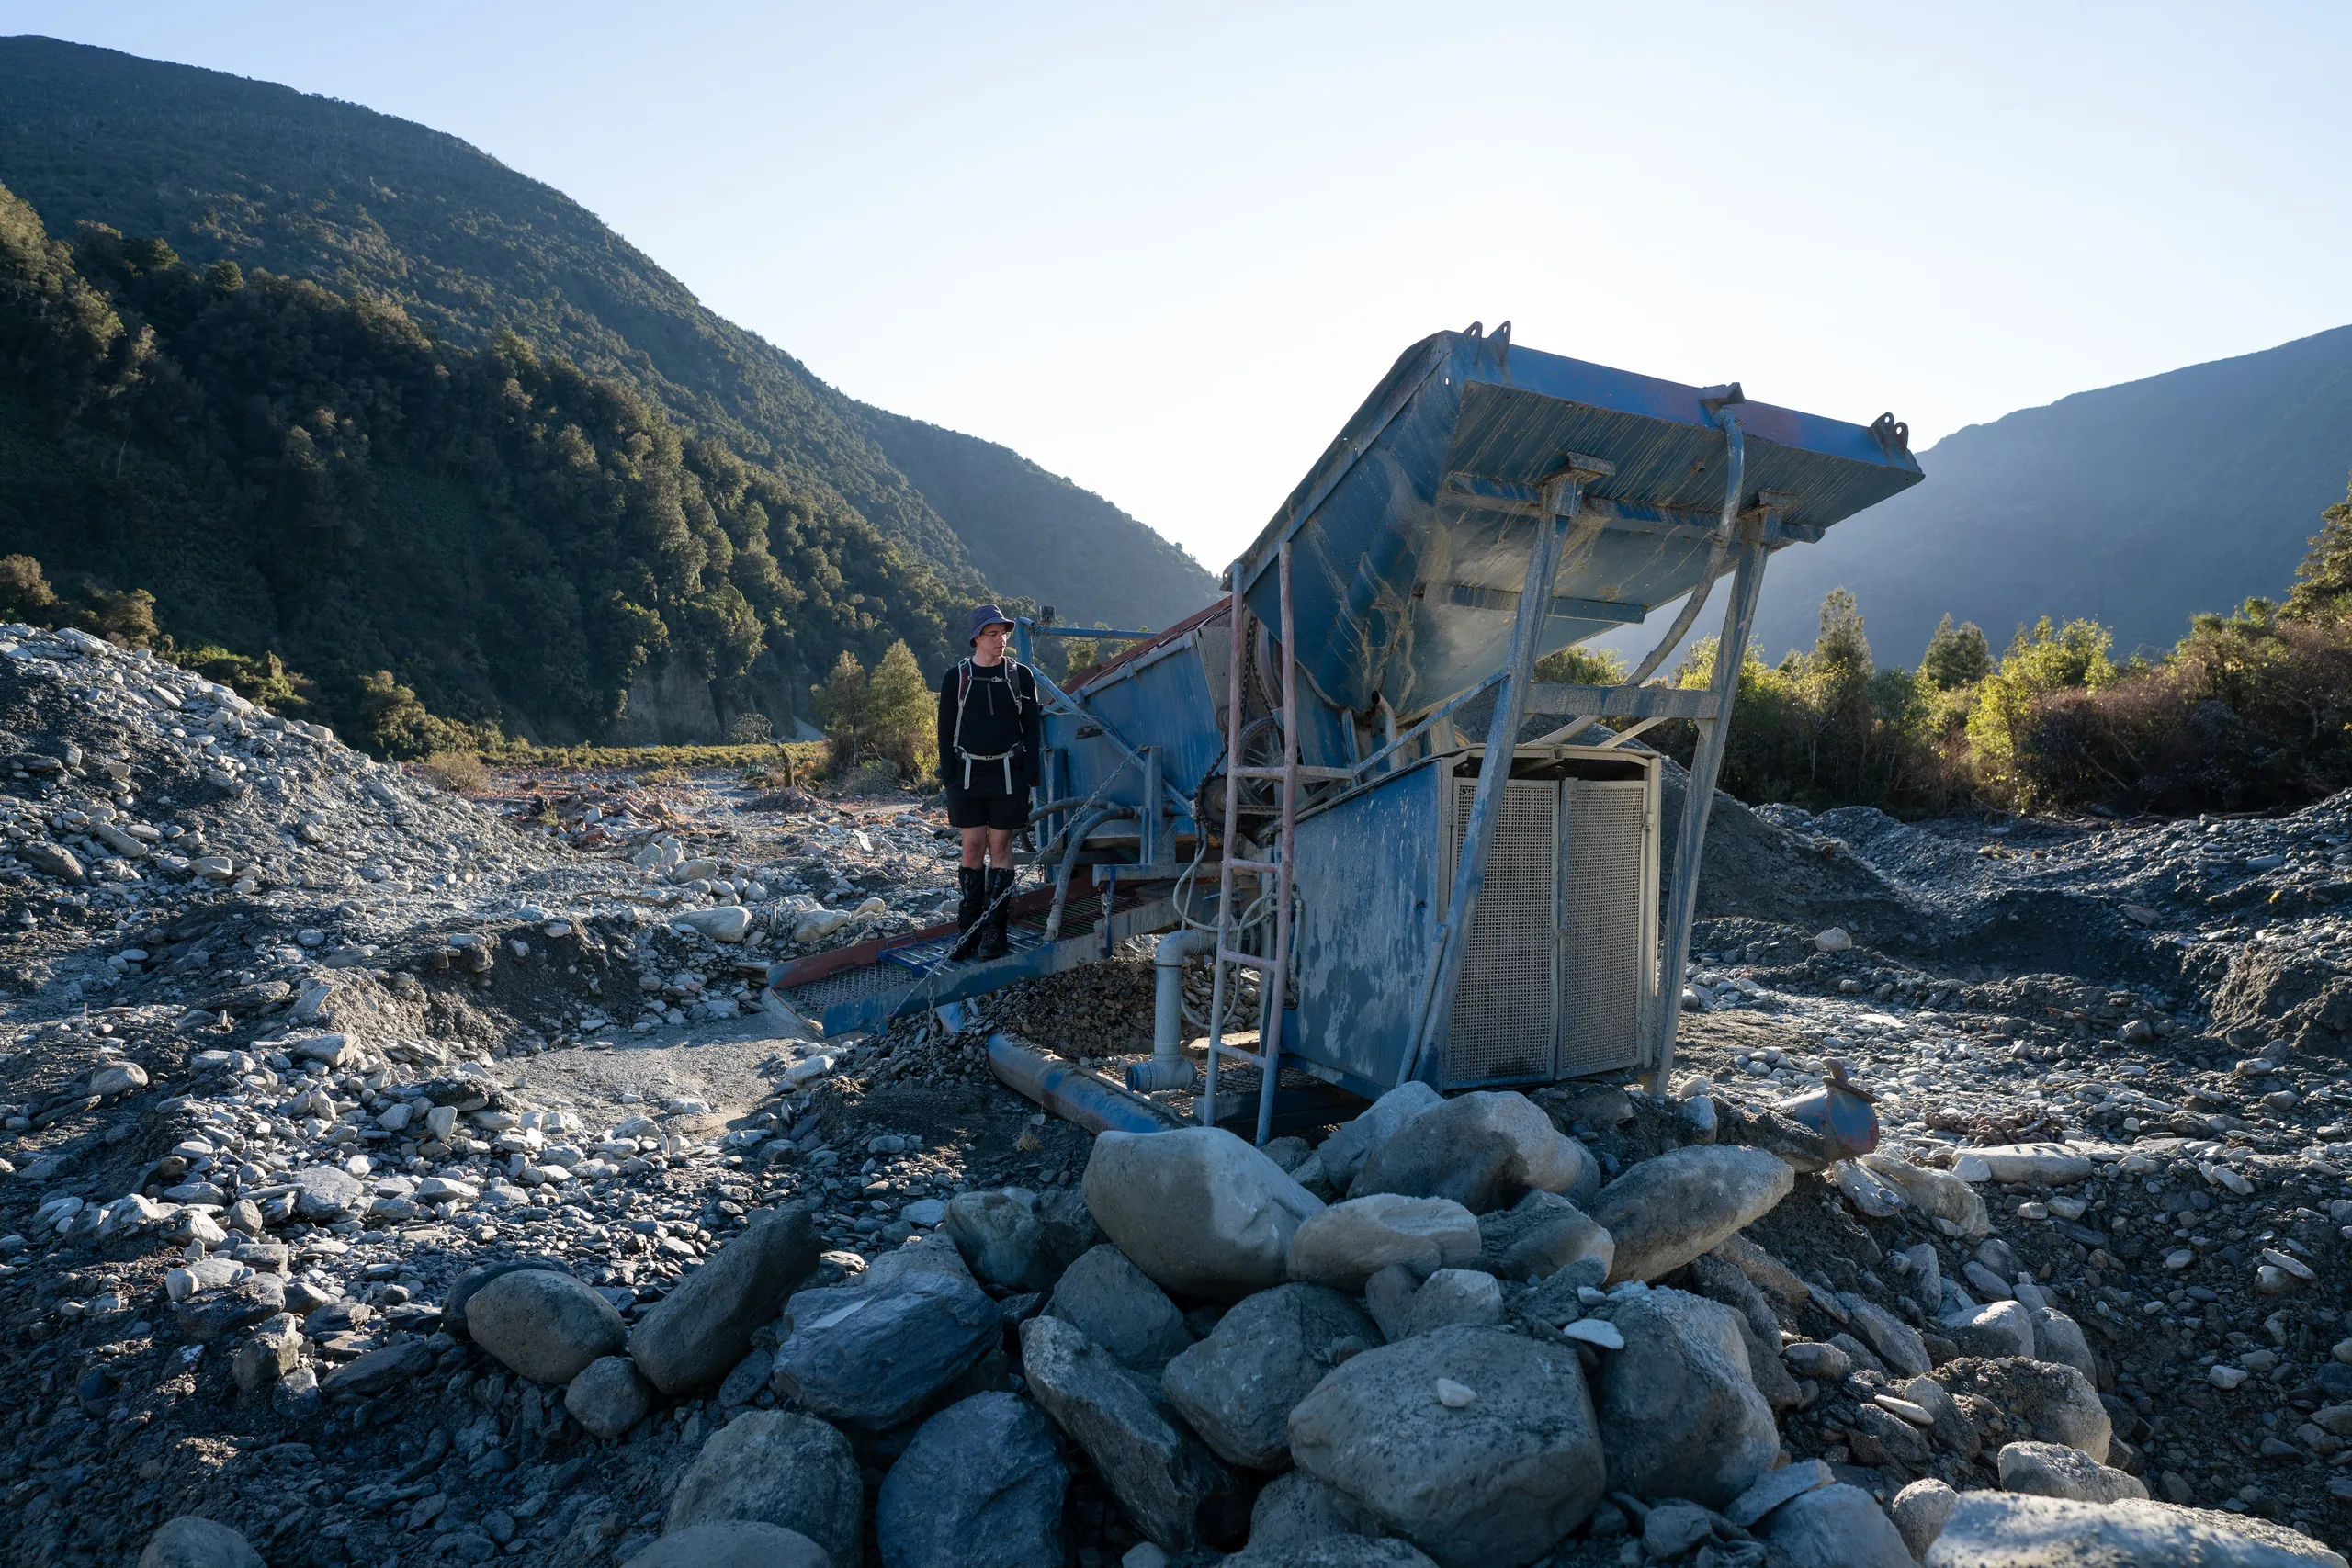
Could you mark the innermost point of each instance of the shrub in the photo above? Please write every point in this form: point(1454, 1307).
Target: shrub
point(457, 771)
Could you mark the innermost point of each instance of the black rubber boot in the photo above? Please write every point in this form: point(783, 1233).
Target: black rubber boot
point(1000, 896)
point(971, 882)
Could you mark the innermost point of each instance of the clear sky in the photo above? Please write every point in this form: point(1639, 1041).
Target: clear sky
point(1166, 251)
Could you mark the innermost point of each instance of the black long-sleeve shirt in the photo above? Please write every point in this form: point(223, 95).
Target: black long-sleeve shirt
point(1001, 714)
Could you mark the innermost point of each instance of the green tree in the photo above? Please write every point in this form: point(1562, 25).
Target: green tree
point(899, 713)
point(2324, 584)
point(1841, 645)
point(1956, 656)
point(2046, 659)
point(25, 592)
point(842, 707)
point(1579, 666)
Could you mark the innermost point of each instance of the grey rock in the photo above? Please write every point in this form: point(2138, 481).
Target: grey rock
point(697, 1331)
point(546, 1327)
point(1446, 1298)
point(1718, 1280)
point(608, 1397)
point(2058, 1404)
point(216, 1313)
point(1837, 1527)
point(750, 1374)
point(735, 1545)
point(1497, 1479)
point(1001, 1240)
point(1680, 1415)
point(1296, 1508)
point(1197, 1209)
point(1539, 1235)
point(325, 1192)
point(1177, 1491)
point(459, 1301)
point(1349, 1243)
point(1925, 1279)
point(2001, 1529)
point(1120, 1310)
point(2058, 1338)
point(1858, 1353)
point(1952, 1427)
point(378, 1371)
point(2001, 1328)
point(1664, 1212)
point(1812, 1359)
point(54, 860)
point(1672, 1528)
point(1899, 1344)
point(980, 1486)
point(1775, 1487)
point(1919, 1511)
point(776, 1467)
point(1238, 1387)
point(1351, 1143)
point(1484, 1150)
point(1334, 1552)
point(189, 1541)
point(874, 1351)
point(2053, 1470)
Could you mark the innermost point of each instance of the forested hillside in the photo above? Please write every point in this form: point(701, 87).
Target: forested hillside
point(406, 225)
point(513, 539)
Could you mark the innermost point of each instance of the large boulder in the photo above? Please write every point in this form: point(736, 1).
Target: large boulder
point(1666, 1211)
point(1238, 1386)
point(1483, 1150)
point(1720, 1281)
point(1679, 1415)
point(1919, 1511)
point(1541, 1234)
point(1404, 1308)
point(608, 1397)
point(697, 1333)
point(1177, 1491)
point(776, 1467)
point(1999, 1328)
point(735, 1545)
point(1837, 1527)
point(1197, 1209)
point(325, 1192)
point(1351, 1143)
point(459, 1301)
point(2053, 1470)
point(1938, 1194)
point(189, 1541)
point(1477, 1445)
point(2000, 1529)
point(1121, 1310)
point(874, 1351)
point(1295, 1507)
point(1333, 1551)
point(1349, 1243)
point(980, 1486)
point(546, 1327)
point(2058, 1404)
point(2058, 1338)
point(1001, 1239)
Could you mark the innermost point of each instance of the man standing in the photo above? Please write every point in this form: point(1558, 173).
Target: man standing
point(990, 744)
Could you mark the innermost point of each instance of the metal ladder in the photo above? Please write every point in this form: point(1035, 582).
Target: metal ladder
point(1275, 972)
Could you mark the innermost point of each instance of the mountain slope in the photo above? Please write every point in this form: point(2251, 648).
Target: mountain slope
point(221, 167)
point(2136, 505)
point(1068, 547)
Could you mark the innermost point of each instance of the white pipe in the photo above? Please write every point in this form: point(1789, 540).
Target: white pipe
point(1168, 1067)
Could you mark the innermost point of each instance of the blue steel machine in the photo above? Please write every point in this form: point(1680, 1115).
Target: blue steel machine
point(1299, 772)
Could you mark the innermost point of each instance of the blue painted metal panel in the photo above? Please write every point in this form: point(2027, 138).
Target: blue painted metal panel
point(1367, 874)
point(1374, 521)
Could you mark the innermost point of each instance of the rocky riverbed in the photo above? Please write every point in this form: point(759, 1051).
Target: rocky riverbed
point(397, 1178)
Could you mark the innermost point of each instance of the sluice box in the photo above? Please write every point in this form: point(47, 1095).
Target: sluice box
point(1560, 977)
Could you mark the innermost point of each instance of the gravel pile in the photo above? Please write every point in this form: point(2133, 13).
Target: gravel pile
point(395, 1178)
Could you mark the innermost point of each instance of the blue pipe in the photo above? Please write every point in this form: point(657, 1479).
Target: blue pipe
point(1068, 1092)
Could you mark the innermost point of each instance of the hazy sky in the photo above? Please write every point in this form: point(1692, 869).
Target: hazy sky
point(1166, 251)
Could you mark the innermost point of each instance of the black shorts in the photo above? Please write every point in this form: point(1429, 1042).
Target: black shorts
point(1007, 813)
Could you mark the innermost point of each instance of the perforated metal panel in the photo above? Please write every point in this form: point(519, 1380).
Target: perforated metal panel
point(1503, 1024)
point(1605, 936)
